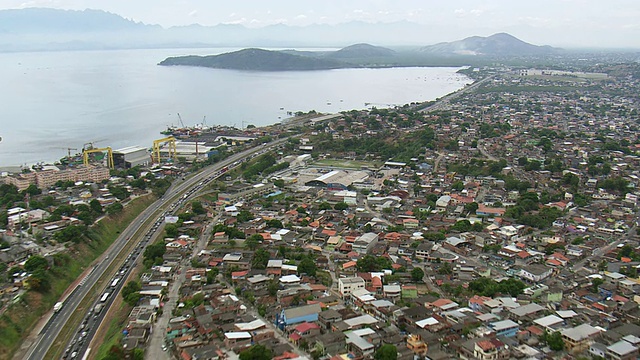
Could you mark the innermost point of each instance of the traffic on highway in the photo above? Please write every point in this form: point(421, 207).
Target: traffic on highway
point(175, 197)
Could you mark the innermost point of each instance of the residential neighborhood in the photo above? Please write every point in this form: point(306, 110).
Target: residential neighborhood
point(501, 226)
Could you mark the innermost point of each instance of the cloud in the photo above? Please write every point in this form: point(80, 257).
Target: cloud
point(301, 17)
point(193, 13)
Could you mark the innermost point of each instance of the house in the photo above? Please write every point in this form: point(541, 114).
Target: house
point(490, 349)
point(308, 313)
point(578, 339)
point(365, 243)
point(507, 328)
point(346, 286)
point(622, 350)
point(416, 345)
point(304, 331)
point(535, 273)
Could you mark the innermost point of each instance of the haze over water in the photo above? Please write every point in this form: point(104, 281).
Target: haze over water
point(55, 100)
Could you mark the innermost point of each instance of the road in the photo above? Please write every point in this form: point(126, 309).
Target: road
point(46, 332)
point(445, 100)
point(154, 348)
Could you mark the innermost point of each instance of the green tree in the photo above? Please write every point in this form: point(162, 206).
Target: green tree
point(370, 263)
point(341, 206)
point(595, 283)
point(95, 206)
point(171, 230)
point(256, 352)
point(386, 352)
point(307, 266)
point(114, 208)
point(253, 241)
point(138, 354)
point(36, 262)
point(260, 259)
point(274, 223)
point(197, 208)
point(471, 207)
point(417, 274)
point(554, 340)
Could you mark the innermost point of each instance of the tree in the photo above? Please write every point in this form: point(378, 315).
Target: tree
point(307, 266)
point(253, 241)
point(471, 207)
point(95, 206)
point(278, 183)
point(370, 263)
point(274, 223)
point(595, 283)
point(260, 259)
point(386, 352)
point(256, 352)
point(341, 206)
point(114, 208)
point(171, 230)
point(36, 262)
point(417, 274)
point(445, 269)
point(138, 354)
point(197, 208)
point(554, 340)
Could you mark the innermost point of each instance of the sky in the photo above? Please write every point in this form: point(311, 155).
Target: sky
point(595, 23)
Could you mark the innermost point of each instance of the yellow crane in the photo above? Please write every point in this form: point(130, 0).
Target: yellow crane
point(86, 152)
point(172, 148)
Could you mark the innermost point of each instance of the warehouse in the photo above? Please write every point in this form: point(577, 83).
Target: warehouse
point(338, 179)
point(131, 156)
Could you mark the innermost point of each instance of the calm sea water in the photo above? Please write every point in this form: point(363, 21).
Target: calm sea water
point(55, 100)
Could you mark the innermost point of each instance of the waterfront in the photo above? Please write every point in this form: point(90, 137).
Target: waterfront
point(56, 100)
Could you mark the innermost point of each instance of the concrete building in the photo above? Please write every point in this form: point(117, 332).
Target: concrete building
point(346, 286)
point(506, 328)
point(306, 313)
point(365, 243)
point(579, 338)
point(131, 156)
point(338, 179)
point(50, 175)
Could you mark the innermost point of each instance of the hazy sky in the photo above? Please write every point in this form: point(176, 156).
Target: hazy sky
point(555, 22)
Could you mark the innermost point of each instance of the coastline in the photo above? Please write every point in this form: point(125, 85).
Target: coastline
point(140, 99)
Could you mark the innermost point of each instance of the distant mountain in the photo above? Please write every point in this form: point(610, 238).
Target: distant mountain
point(38, 20)
point(257, 59)
point(361, 51)
point(501, 44)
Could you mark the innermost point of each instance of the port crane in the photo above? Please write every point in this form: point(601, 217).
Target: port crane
point(180, 118)
point(172, 148)
point(86, 152)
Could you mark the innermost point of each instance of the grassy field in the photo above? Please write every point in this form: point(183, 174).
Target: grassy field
point(346, 164)
point(20, 318)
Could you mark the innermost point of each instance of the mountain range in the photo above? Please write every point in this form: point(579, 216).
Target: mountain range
point(365, 55)
point(34, 29)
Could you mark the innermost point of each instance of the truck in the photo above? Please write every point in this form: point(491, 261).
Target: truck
point(57, 306)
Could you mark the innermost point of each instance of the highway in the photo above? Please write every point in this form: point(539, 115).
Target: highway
point(149, 221)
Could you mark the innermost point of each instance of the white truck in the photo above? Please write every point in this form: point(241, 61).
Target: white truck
point(57, 306)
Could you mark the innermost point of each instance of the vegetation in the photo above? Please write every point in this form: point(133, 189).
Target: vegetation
point(386, 352)
point(490, 287)
point(370, 263)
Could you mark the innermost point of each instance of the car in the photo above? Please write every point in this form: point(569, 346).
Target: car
point(164, 347)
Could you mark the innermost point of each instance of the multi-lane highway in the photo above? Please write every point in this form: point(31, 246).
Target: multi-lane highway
point(142, 230)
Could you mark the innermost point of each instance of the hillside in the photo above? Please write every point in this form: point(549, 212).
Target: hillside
point(361, 51)
point(256, 59)
point(501, 44)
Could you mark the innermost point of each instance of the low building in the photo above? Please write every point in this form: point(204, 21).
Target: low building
point(346, 286)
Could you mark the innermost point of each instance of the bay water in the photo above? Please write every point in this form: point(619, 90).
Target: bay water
point(51, 101)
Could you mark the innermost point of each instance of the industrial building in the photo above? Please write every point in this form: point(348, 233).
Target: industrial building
point(189, 150)
point(338, 179)
point(131, 156)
